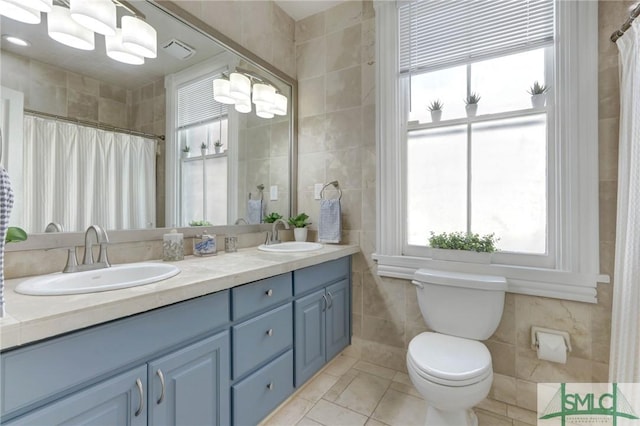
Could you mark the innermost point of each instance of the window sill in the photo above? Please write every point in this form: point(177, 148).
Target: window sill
point(520, 280)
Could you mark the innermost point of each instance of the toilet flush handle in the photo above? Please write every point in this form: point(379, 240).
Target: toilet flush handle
point(417, 284)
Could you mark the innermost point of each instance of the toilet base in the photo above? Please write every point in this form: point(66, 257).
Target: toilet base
point(437, 417)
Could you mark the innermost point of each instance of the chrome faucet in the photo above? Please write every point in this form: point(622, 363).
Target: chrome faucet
point(87, 261)
point(272, 238)
point(54, 227)
point(240, 220)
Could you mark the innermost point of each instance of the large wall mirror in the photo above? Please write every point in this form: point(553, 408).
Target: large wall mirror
point(89, 140)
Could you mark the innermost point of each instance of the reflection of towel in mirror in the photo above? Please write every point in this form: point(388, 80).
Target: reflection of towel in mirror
point(254, 211)
point(6, 204)
point(330, 226)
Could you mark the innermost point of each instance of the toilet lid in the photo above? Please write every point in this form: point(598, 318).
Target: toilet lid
point(449, 360)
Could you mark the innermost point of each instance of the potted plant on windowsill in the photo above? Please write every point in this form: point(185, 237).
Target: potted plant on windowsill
point(471, 106)
point(204, 149)
point(538, 94)
point(217, 146)
point(462, 247)
point(186, 151)
point(299, 224)
point(436, 110)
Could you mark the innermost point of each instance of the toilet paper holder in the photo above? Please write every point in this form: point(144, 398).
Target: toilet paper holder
point(534, 336)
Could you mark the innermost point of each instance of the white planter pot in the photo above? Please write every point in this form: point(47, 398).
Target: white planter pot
point(538, 101)
point(472, 110)
point(461, 256)
point(204, 151)
point(300, 234)
point(185, 154)
point(436, 115)
point(217, 149)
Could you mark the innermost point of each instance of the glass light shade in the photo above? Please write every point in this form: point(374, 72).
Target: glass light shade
point(263, 111)
point(240, 89)
point(280, 105)
point(41, 5)
point(221, 87)
point(116, 51)
point(15, 10)
point(65, 30)
point(96, 15)
point(243, 106)
point(139, 37)
point(263, 94)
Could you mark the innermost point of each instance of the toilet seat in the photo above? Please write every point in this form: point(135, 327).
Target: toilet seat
point(449, 360)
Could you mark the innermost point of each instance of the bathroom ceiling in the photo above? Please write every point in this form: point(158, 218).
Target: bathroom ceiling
point(98, 65)
point(300, 9)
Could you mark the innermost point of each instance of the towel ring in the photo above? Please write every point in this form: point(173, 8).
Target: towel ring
point(260, 191)
point(336, 185)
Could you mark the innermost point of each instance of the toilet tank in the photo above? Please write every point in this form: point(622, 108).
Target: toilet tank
point(460, 304)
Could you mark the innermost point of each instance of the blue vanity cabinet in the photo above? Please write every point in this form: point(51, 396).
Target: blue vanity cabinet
point(322, 315)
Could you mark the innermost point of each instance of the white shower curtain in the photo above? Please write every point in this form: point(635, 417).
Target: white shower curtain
point(78, 175)
point(624, 364)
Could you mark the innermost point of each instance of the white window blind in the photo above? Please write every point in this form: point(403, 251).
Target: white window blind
point(196, 104)
point(435, 33)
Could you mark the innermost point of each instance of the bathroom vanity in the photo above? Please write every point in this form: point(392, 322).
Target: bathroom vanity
point(224, 342)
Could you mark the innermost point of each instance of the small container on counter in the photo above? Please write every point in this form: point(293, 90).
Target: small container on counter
point(204, 245)
point(231, 244)
point(172, 246)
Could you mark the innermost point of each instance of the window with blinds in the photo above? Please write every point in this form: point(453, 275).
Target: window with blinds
point(485, 172)
point(195, 104)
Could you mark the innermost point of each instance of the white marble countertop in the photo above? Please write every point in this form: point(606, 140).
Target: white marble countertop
point(32, 318)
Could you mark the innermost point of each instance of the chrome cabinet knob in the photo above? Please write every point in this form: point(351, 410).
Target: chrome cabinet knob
point(269, 292)
point(270, 332)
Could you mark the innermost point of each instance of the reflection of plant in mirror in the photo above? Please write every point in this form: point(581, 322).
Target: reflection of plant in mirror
point(436, 105)
point(186, 148)
point(472, 99)
point(200, 223)
point(15, 234)
point(464, 241)
point(537, 89)
point(204, 146)
point(218, 144)
point(272, 217)
point(299, 221)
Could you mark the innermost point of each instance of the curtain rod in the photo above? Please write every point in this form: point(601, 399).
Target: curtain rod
point(635, 12)
point(93, 124)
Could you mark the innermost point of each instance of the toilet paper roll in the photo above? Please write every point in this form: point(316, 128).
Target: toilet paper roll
point(552, 347)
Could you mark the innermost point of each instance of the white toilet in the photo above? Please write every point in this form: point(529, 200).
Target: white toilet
point(450, 367)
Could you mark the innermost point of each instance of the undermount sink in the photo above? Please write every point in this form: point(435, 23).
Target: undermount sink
point(290, 247)
point(112, 278)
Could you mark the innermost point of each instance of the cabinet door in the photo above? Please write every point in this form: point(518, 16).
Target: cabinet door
point(117, 401)
point(310, 353)
point(338, 318)
point(191, 386)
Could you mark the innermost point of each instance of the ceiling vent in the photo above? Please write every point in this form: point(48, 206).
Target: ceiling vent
point(178, 49)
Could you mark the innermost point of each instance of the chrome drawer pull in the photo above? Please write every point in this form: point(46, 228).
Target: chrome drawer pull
point(330, 300)
point(161, 376)
point(141, 392)
point(270, 332)
point(269, 292)
point(326, 303)
point(270, 386)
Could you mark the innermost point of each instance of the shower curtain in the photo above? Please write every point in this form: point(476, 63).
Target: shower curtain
point(624, 364)
point(78, 176)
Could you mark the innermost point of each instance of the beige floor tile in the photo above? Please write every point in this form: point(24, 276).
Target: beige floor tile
point(401, 377)
point(363, 393)
point(340, 365)
point(340, 385)
point(409, 389)
point(486, 418)
point(330, 414)
point(383, 372)
point(290, 413)
point(496, 407)
point(317, 387)
point(306, 421)
point(374, 422)
point(400, 409)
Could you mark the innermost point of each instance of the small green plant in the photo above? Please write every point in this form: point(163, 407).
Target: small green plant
point(472, 99)
point(15, 234)
point(436, 105)
point(299, 221)
point(200, 223)
point(537, 89)
point(464, 241)
point(218, 144)
point(204, 146)
point(186, 148)
point(272, 217)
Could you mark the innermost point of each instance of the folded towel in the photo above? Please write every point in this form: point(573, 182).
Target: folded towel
point(254, 211)
point(6, 204)
point(330, 225)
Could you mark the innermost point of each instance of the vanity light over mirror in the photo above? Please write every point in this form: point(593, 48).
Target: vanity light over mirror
point(87, 139)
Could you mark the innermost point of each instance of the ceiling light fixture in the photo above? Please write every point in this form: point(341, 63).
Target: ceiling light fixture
point(98, 16)
point(63, 29)
point(16, 40)
point(117, 51)
point(244, 87)
point(139, 37)
point(19, 11)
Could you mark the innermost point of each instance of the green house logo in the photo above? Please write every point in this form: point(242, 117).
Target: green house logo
point(588, 407)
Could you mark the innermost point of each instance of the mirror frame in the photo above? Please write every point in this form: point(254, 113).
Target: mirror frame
point(39, 241)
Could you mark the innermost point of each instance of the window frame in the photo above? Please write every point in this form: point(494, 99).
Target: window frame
point(573, 236)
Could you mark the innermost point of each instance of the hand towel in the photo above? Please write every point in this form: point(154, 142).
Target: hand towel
point(6, 204)
point(330, 225)
point(254, 211)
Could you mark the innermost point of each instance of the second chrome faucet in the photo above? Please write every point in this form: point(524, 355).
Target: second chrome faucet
point(88, 263)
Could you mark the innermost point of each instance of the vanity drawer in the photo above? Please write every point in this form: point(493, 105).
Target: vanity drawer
point(259, 394)
point(313, 277)
point(260, 338)
point(260, 295)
